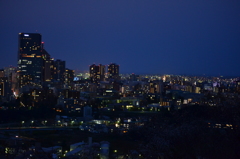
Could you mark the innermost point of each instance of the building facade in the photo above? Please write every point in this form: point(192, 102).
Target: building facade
point(97, 73)
point(30, 59)
point(113, 71)
point(59, 70)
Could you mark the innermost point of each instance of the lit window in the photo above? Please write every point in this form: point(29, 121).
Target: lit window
point(29, 62)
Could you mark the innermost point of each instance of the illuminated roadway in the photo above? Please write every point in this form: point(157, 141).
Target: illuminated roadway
point(37, 128)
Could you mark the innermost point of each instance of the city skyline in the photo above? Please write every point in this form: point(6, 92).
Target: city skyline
point(135, 79)
point(157, 37)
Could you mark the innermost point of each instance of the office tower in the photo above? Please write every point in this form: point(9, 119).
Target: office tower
point(97, 73)
point(68, 76)
point(113, 71)
point(8, 72)
point(4, 87)
point(59, 69)
point(4, 84)
point(102, 71)
point(48, 70)
point(48, 67)
point(30, 59)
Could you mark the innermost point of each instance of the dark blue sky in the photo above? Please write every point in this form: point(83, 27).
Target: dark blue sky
point(155, 36)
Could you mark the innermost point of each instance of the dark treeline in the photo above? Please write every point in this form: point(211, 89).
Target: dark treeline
point(14, 115)
point(192, 132)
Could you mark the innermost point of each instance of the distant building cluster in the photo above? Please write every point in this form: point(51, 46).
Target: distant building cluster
point(98, 73)
point(36, 68)
point(39, 77)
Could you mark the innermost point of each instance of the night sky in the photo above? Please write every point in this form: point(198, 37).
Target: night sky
point(150, 36)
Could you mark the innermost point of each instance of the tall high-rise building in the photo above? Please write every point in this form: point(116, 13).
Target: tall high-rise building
point(5, 82)
point(68, 76)
point(9, 71)
point(30, 59)
point(4, 87)
point(97, 73)
point(113, 71)
point(48, 67)
point(59, 69)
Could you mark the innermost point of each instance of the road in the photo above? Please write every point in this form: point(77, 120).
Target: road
point(37, 128)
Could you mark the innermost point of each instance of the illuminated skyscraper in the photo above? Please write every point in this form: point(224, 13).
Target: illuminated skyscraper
point(68, 76)
point(113, 71)
point(48, 67)
point(4, 87)
point(97, 73)
point(59, 69)
point(30, 59)
point(4, 84)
